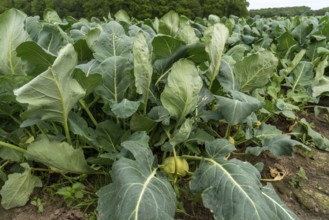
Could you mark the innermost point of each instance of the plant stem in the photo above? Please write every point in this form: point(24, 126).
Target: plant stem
point(188, 157)
point(85, 107)
point(228, 131)
point(67, 131)
point(13, 147)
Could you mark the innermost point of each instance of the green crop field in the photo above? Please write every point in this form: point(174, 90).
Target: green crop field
point(156, 107)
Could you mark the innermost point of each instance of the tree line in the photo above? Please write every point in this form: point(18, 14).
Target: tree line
point(139, 9)
point(287, 11)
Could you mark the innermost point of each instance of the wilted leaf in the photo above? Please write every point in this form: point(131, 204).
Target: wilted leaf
point(58, 155)
point(18, 188)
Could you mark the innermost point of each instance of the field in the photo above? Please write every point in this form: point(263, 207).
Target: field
point(165, 118)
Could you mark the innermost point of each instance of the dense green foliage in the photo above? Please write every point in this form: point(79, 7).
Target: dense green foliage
point(114, 98)
point(139, 9)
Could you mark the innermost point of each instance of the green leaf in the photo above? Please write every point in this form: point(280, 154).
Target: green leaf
point(181, 94)
point(302, 75)
point(285, 41)
point(114, 71)
point(138, 188)
point(266, 131)
point(183, 133)
point(286, 109)
point(280, 209)
point(278, 146)
point(108, 135)
point(236, 110)
point(226, 76)
point(142, 67)
point(125, 108)
point(58, 155)
point(255, 70)
point(52, 94)
point(319, 140)
point(52, 38)
point(187, 35)
point(165, 46)
point(230, 188)
point(215, 39)
point(87, 82)
point(112, 41)
point(18, 188)
point(37, 58)
point(219, 148)
point(142, 123)
point(12, 34)
point(169, 24)
point(79, 126)
point(321, 87)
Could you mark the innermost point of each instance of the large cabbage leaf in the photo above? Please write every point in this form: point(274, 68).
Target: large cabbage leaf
point(216, 37)
point(52, 94)
point(230, 188)
point(12, 34)
point(138, 190)
point(181, 94)
point(255, 70)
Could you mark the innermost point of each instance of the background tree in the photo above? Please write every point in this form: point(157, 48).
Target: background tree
point(140, 9)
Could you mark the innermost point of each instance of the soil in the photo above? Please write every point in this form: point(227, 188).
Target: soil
point(304, 188)
point(54, 209)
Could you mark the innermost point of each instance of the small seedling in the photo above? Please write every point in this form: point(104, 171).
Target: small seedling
point(37, 202)
point(299, 178)
point(72, 194)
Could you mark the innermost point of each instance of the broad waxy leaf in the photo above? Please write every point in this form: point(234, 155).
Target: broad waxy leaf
point(255, 70)
point(286, 41)
point(108, 136)
point(266, 131)
point(112, 41)
point(18, 188)
point(52, 38)
point(39, 59)
point(216, 37)
point(280, 209)
point(169, 24)
point(183, 133)
point(125, 108)
point(321, 87)
point(138, 190)
point(226, 76)
point(59, 155)
point(142, 66)
point(171, 45)
point(278, 146)
point(52, 94)
point(114, 71)
point(181, 94)
point(12, 34)
point(302, 75)
point(236, 110)
point(230, 188)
